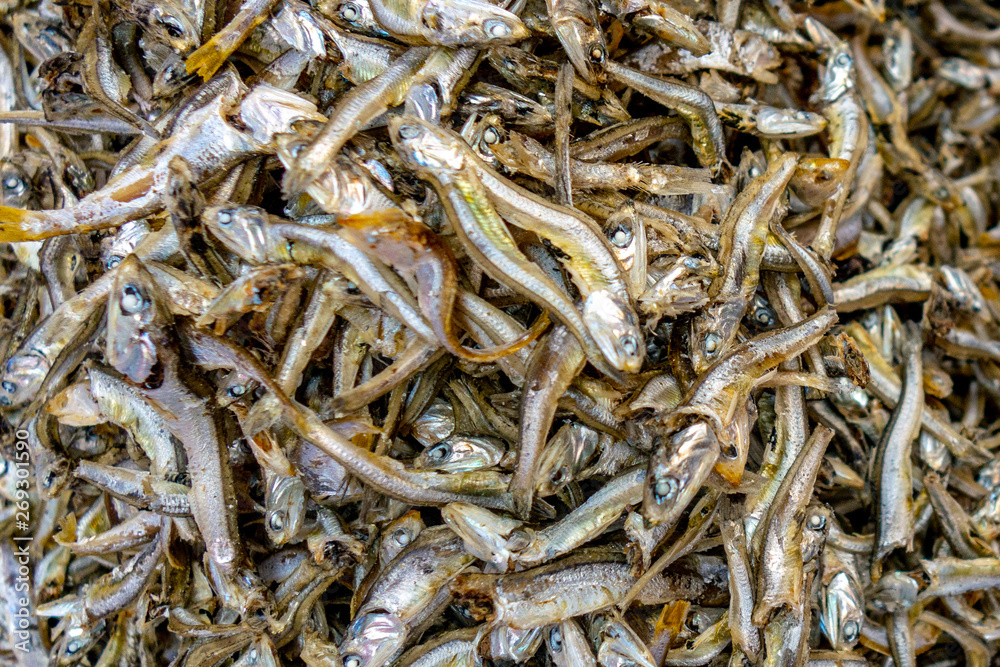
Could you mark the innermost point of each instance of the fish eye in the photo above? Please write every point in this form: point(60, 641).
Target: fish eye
point(763, 316)
point(712, 343)
point(665, 489)
point(496, 28)
point(630, 345)
point(350, 12)
point(131, 300)
point(236, 390)
point(172, 26)
point(8, 386)
point(490, 135)
point(621, 237)
point(817, 522)
point(597, 54)
point(296, 149)
point(851, 631)
point(401, 537)
point(730, 451)
point(275, 521)
point(224, 217)
point(439, 452)
point(113, 261)
point(252, 655)
point(408, 132)
point(6, 402)
point(351, 660)
point(14, 183)
point(73, 646)
point(844, 60)
point(556, 640)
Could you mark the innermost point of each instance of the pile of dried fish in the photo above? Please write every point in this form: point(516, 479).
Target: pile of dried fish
point(452, 333)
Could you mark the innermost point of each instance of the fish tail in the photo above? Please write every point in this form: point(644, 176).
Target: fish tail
point(14, 225)
point(68, 533)
point(207, 60)
point(491, 354)
point(211, 55)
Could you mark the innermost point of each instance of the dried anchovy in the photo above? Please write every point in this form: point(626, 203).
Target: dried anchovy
point(372, 333)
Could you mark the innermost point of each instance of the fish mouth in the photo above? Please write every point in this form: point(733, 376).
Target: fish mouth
point(612, 327)
point(582, 45)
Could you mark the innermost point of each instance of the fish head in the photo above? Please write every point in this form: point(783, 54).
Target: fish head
point(487, 136)
point(242, 229)
point(171, 78)
point(372, 640)
point(170, 24)
point(514, 645)
point(679, 466)
point(400, 534)
point(22, 376)
point(760, 314)
point(838, 78)
point(116, 248)
point(268, 111)
point(814, 531)
point(461, 453)
point(568, 645)
point(484, 533)
point(234, 387)
point(713, 331)
point(285, 501)
point(471, 22)
point(15, 185)
point(564, 456)
point(290, 145)
point(621, 236)
point(816, 178)
point(842, 614)
point(620, 646)
point(584, 44)
point(614, 327)
point(77, 633)
point(789, 123)
point(137, 321)
point(895, 592)
point(426, 148)
point(261, 653)
point(357, 16)
point(42, 37)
